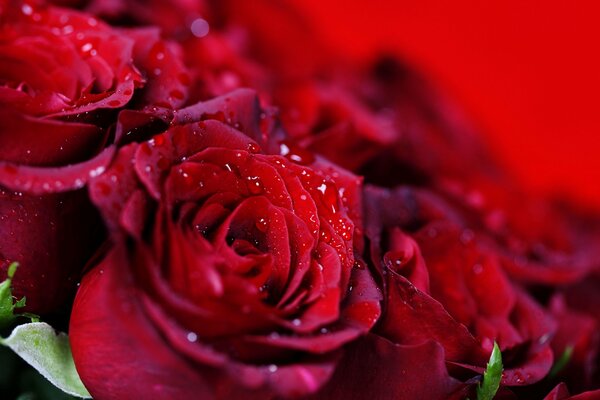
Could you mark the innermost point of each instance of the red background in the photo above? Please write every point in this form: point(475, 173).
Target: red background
point(527, 72)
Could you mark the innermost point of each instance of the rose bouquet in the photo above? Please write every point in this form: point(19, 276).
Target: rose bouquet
point(209, 212)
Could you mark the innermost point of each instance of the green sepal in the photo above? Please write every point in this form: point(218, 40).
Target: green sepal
point(8, 303)
point(487, 389)
point(562, 362)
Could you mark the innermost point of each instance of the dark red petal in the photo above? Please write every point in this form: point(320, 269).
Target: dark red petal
point(168, 79)
point(560, 392)
point(412, 317)
point(374, 368)
point(43, 142)
point(40, 180)
point(581, 332)
point(110, 335)
point(110, 195)
point(52, 236)
point(239, 109)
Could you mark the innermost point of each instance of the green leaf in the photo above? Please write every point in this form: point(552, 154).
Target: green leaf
point(7, 303)
point(49, 353)
point(562, 362)
point(491, 377)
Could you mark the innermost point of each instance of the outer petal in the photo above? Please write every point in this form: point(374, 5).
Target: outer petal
point(117, 351)
point(413, 317)
point(374, 368)
point(52, 237)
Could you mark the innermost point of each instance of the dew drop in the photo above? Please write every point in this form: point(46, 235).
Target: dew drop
point(183, 173)
point(296, 153)
point(328, 196)
point(199, 27)
point(192, 337)
point(467, 236)
point(262, 225)
point(96, 172)
point(86, 47)
point(27, 9)
point(255, 185)
point(253, 148)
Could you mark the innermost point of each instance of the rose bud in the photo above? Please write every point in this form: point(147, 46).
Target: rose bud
point(231, 273)
point(63, 77)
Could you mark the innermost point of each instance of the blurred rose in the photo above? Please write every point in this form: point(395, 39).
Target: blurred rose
point(442, 283)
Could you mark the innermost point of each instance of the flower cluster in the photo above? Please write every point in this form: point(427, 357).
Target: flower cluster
point(243, 215)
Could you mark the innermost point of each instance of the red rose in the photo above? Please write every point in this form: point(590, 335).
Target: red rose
point(383, 122)
point(232, 271)
point(227, 44)
point(444, 283)
point(63, 76)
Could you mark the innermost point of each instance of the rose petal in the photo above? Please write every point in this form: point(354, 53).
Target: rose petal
point(376, 368)
point(39, 180)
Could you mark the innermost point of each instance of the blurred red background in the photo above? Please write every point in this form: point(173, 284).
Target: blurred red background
point(528, 73)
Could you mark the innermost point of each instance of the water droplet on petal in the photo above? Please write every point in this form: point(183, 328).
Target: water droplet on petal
point(192, 337)
point(262, 225)
point(325, 236)
point(296, 153)
point(477, 269)
point(253, 148)
point(328, 196)
point(466, 236)
point(255, 185)
point(27, 9)
point(199, 27)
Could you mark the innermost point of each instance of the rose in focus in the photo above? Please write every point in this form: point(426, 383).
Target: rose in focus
point(63, 77)
point(232, 271)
